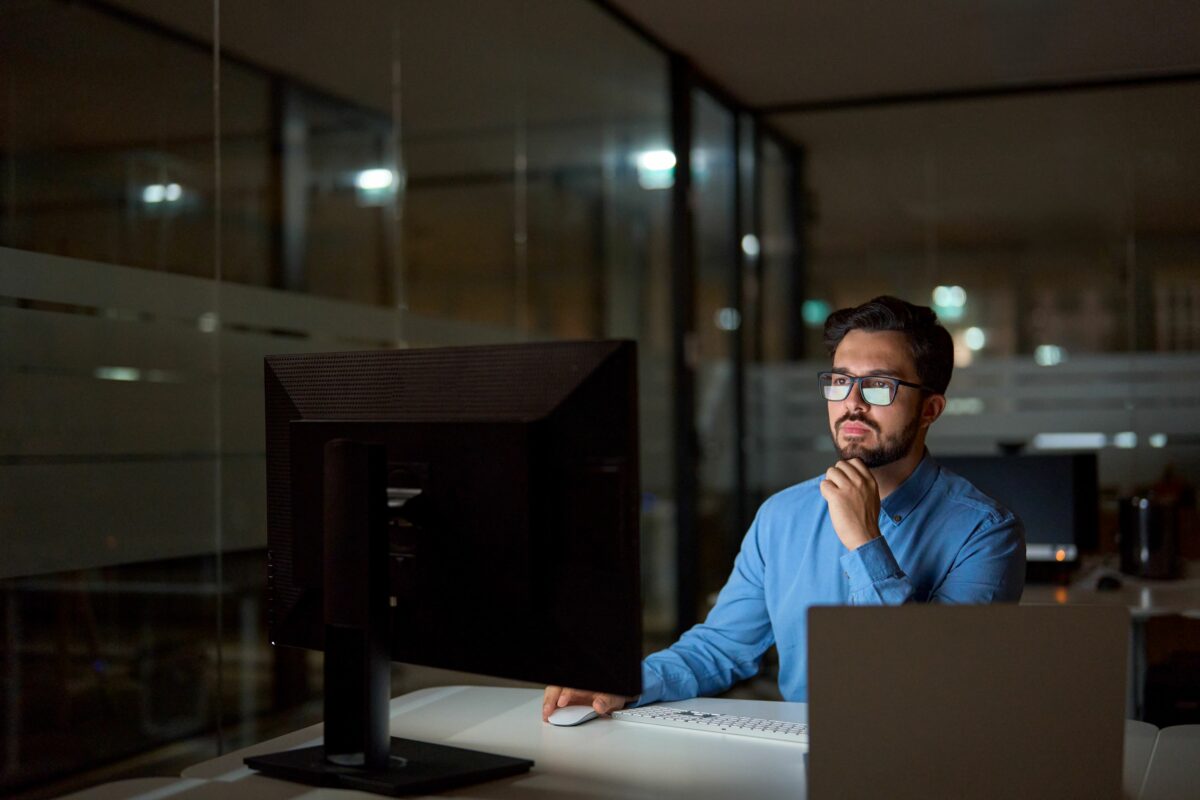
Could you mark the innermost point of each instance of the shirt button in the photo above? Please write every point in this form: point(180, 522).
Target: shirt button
point(896, 518)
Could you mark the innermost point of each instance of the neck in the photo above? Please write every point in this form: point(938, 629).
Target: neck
point(890, 476)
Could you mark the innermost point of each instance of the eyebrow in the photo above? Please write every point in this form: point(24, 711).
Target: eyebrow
point(884, 373)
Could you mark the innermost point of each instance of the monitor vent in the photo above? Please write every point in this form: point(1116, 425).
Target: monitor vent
point(454, 384)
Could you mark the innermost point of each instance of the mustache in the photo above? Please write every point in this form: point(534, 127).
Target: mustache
point(859, 418)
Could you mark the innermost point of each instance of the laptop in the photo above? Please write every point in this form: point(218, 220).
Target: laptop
point(997, 701)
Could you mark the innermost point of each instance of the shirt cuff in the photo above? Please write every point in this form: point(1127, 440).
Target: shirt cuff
point(869, 564)
point(652, 688)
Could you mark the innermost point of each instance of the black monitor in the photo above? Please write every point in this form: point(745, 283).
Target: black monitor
point(1056, 496)
point(471, 508)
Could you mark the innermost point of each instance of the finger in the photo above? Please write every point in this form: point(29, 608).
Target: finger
point(834, 476)
point(550, 701)
point(575, 697)
point(861, 468)
point(844, 476)
point(853, 473)
point(608, 703)
point(866, 478)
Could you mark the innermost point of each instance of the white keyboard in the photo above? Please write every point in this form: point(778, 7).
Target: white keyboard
point(716, 723)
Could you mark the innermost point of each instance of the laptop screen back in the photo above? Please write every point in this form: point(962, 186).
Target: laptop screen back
point(966, 701)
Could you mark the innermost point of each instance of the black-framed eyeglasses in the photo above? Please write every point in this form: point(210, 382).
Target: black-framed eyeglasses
point(877, 390)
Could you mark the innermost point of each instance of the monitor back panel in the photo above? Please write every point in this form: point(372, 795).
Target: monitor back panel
point(518, 556)
point(1056, 496)
point(967, 701)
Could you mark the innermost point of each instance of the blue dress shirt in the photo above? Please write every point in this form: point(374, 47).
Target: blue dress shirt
point(944, 541)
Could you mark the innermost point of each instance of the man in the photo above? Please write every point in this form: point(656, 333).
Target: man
point(884, 525)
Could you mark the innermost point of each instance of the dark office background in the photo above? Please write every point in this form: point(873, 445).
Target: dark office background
point(187, 186)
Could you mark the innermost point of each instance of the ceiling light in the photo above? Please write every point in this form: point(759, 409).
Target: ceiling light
point(374, 180)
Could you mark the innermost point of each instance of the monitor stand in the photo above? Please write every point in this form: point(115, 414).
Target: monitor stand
point(413, 768)
point(358, 752)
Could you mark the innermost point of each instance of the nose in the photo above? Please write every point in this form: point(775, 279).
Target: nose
point(855, 400)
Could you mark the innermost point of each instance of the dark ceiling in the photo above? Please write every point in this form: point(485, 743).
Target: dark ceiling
point(776, 53)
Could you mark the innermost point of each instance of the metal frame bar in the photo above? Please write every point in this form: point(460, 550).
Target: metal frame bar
point(683, 348)
point(737, 344)
point(798, 228)
point(979, 93)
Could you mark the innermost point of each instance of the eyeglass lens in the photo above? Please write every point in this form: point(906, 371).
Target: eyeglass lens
point(876, 391)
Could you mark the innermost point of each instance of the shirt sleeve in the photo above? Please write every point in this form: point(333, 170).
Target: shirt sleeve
point(875, 579)
point(990, 568)
point(727, 647)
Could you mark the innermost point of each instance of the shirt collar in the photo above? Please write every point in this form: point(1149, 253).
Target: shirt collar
point(900, 503)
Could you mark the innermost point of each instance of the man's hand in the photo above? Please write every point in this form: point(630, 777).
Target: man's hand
point(853, 497)
point(558, 696)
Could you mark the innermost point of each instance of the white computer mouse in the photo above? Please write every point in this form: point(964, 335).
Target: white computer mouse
point(572, 715)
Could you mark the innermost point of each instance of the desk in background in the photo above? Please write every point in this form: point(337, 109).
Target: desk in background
point(1145, 599)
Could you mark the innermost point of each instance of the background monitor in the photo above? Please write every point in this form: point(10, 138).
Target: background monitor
point(1056, 496)
point(505, 482)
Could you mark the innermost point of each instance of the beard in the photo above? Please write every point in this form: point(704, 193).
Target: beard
point(890, 449)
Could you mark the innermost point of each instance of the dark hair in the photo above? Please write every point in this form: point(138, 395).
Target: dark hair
point(929, 343)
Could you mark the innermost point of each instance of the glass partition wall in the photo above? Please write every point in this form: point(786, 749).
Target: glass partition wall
point(111, 579)
point(1058, 237)
point(187, 187)
point(174, 206)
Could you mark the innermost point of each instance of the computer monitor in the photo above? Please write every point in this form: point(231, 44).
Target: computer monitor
point(470, 508)
point(1056, 495)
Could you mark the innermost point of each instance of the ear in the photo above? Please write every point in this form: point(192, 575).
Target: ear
point(931, 408)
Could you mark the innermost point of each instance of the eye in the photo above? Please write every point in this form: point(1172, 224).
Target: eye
point(840, 380)
point(877, 383)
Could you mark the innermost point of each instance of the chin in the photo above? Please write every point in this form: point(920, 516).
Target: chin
point(857, 443)
point(849, 451)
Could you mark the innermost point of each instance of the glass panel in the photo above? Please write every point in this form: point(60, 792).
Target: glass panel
point(596, 255)
point(778, 247)
point(250, 197)
point(525, 212)
point(340, 186)
point(464, 247)
point(108, 446)
point(108, 154)
point(147, 265)
point(1057, 236)
point(772, 288)
point(718, 260)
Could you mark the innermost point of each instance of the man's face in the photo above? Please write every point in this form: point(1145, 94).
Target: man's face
point(879, 435)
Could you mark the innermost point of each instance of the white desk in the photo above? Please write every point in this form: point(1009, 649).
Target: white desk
point(1174, 769)
point(602, 758)
point(143, 789)
point(1139, 748)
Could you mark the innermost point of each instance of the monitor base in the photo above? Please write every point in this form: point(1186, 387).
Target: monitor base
point(415, 768)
